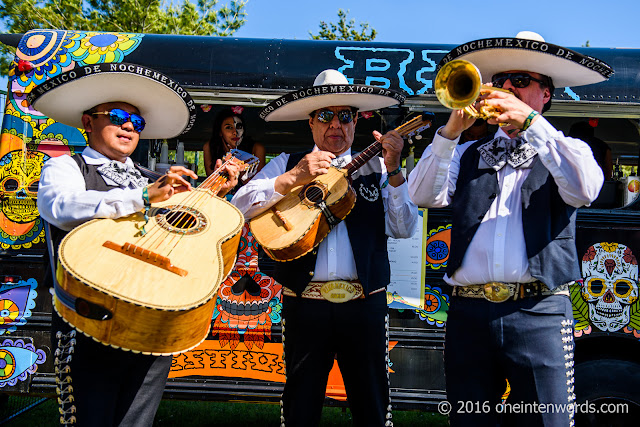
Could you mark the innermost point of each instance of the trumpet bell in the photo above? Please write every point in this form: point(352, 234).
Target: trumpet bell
point(458, 84)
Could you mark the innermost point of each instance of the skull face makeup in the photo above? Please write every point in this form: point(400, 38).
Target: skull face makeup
point(239, 129)
point(231, 132)
point(610, 273)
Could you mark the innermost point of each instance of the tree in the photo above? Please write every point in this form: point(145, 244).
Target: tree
point(344, 30)
point(135, 16)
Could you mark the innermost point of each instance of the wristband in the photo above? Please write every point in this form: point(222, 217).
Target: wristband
point(529, 119)
point(147, 205)
point(390, 174)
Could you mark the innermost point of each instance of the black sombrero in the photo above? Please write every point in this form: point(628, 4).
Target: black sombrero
point(166, 107)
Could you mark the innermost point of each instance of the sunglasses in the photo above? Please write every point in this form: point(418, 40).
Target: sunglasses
point(119, 117)
point(519, 80)
point(344, 116)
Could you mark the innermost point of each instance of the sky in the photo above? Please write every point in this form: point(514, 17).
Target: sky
point(569, 23)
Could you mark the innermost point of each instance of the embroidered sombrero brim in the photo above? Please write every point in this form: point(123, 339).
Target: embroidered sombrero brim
point(166, 107)
point(529, 52)
point(331, 88)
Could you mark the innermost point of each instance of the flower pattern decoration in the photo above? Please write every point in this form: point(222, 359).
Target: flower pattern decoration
point(98, 47)
point(248, 301)
point(18, 360)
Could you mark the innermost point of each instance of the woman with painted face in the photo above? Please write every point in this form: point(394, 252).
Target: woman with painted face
point(229, 133)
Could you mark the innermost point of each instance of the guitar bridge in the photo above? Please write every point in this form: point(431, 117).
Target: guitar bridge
point(145, 255)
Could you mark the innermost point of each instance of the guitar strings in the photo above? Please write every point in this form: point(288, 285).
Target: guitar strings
point(178, 216)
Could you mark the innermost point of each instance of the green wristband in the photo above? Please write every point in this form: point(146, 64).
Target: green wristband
point(529, 119)
point(390, 174)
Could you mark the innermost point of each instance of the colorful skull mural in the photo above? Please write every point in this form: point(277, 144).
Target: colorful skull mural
point(610, 273)
point(19, 178)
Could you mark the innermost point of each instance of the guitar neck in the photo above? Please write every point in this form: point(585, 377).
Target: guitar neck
point(363, 157)
point(416, 125)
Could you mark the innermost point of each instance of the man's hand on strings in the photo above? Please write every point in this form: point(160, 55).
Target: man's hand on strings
point(230, 169)
point(170, 183)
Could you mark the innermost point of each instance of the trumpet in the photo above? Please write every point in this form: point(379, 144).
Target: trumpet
point(458, 85)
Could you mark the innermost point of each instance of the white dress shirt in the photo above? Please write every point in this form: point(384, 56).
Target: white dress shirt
point(497, 251)
point(335, 257)
point(64, 201)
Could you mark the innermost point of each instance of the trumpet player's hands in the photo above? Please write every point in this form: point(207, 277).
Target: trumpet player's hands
point(458, 122)
point(170, 183)
point(514, 112)
point(312, 165)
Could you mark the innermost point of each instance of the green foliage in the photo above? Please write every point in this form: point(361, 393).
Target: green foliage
point(344, 30)
point(136, 16)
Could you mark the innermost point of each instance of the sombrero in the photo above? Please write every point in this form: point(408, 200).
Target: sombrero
point(330, 88)
point(166, 107)
point(528, 51)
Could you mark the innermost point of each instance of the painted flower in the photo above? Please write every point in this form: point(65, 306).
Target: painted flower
point(590, 254)
point(609, 247)
point(629, 257)
point(366, 114)
point(96, 48)
point(237, 109)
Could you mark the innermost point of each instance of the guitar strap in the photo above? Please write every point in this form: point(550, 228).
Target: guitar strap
point(332, 220)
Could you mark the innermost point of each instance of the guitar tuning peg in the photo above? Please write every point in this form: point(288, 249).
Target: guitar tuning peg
point(418, 137)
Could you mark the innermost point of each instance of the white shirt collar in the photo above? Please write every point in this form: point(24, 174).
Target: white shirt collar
point(93, 157)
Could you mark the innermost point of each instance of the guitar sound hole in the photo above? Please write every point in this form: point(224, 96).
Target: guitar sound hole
point(180, 219)
point(314, 194)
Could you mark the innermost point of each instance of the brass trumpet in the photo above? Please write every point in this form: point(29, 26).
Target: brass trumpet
point(458, 85)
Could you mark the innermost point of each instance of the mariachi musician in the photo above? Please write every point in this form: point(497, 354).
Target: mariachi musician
point(514, 197)
point(116, 105)
point(317, 330)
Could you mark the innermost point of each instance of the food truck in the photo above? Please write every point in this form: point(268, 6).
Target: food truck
point(241, 357)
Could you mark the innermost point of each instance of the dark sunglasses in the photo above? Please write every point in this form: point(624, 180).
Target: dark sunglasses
point(344, 116)
point(519, 80)
point(119, 117)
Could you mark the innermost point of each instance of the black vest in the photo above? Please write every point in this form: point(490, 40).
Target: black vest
point(549, 223)
point(93, 181)
point(367, 234)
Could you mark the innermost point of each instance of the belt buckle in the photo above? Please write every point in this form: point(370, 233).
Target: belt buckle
point(495, 292)
point(338, 291)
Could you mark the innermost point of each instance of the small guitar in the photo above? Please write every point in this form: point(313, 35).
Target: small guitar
point(149, 286)
point(298, 223)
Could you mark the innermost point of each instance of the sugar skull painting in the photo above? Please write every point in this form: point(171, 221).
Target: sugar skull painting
point(19, 176)
point(610, 288)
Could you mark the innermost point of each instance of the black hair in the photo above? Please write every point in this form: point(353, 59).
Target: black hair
point(549, 84)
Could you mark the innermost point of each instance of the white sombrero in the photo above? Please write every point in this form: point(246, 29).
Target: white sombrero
point(528, 51)
point(166, 107)
point(330, 88)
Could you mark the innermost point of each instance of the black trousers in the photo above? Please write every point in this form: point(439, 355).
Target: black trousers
point(98, 385)
point(356, 334)
point(528, 342)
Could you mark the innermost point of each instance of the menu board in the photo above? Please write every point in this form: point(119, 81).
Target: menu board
point(407, 260)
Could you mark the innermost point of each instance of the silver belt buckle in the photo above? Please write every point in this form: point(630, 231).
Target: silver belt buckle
point(496, 292)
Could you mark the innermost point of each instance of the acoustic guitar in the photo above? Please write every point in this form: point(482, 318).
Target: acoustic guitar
point(303, 218)
point(148, 286)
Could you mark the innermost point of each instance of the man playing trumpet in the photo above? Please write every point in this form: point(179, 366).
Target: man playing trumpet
point(514, 197)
